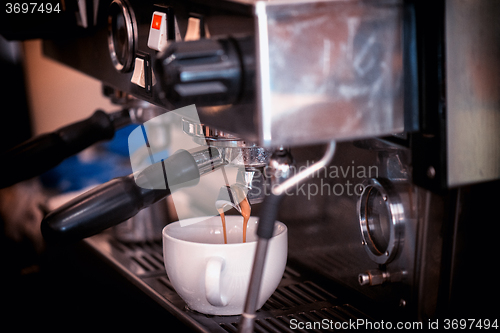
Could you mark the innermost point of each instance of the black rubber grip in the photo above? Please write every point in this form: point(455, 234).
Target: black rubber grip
point(119, 199)
point(46, 151)
point(98, 209)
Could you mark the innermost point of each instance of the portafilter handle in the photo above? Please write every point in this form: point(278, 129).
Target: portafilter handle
point(122, 198)
point(45, 151)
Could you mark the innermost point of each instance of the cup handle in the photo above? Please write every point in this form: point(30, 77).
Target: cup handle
point(213, 271)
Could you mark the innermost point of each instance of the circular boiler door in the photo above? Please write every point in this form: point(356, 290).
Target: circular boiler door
point(381, 219)
point(122, 35)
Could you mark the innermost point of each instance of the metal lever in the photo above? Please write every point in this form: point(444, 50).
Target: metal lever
point(265, 232)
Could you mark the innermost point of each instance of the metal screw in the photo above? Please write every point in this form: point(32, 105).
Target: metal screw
point(361, 189)
point(431, 172)
point(363, 279)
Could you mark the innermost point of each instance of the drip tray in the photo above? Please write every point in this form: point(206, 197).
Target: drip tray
point(296, 299)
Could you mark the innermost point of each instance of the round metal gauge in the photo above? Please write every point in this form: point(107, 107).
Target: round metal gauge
point(381, 219)
point(122, 35)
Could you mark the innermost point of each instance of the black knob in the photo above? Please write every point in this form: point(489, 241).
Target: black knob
point(205, 72)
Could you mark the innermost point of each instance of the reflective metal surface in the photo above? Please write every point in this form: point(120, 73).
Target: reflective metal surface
point(346, 80)
point(381, 215)
point(346, 57)
point(298, 297)
point(146, 226)
point(122, 35)
point(473, 82)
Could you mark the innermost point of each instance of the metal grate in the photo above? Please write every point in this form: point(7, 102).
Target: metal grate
point(295, 300)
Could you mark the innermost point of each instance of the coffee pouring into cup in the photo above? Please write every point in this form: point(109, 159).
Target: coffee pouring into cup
point(213, 277)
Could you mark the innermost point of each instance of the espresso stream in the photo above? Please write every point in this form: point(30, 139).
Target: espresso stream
point(245, 212)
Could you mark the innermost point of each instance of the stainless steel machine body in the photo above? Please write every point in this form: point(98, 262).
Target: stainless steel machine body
point(345, 56)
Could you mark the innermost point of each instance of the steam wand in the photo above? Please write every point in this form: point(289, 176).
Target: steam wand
point(266, 227)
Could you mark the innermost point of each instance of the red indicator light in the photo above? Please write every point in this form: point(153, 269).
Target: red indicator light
point(156, 22)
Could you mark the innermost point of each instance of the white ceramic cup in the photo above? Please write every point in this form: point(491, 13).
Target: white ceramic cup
point(213, 277)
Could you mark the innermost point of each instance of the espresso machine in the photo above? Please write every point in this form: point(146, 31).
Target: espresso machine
point(370, 128)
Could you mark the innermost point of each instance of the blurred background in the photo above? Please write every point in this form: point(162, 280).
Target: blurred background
point(41, 95)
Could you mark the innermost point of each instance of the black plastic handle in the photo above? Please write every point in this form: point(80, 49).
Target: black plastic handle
point(268, 215)
point(46, 151)
point(119, 199)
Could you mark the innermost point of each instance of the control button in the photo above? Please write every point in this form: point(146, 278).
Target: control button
point(86, 13)
point(156, 22)
point(158, 31)
point(122, 32)
point(196, 29)
point(205, 72)
point(138, 76)
point(81, 15)
point(142, 75)
point(381, 218)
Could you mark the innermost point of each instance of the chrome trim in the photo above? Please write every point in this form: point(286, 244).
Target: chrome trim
point(130, 24)
point(395, 210)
